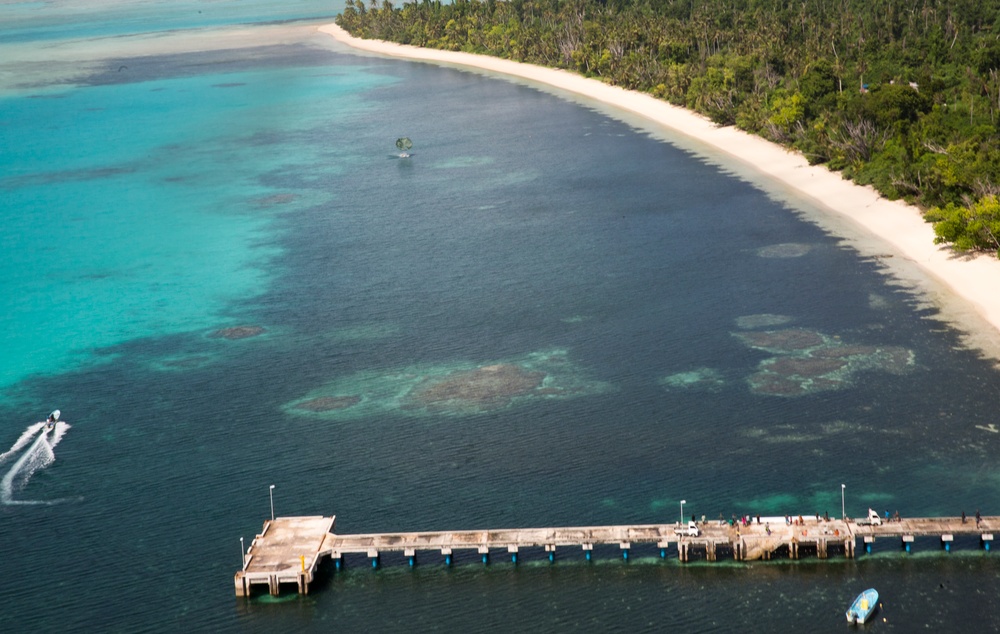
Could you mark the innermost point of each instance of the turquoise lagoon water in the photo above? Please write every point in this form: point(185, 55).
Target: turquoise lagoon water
point(667, 332)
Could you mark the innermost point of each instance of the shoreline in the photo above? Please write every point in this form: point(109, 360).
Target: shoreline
point(962, 287)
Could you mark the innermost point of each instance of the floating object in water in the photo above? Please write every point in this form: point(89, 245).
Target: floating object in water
point(863, 606)
point(404, 144)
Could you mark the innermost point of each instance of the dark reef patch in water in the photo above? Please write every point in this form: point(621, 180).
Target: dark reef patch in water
point(237, 332)
point(484, 388)
point(328, 403)
point(780, 341)
point(809, 361)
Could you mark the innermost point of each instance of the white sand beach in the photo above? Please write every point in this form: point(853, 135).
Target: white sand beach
point(965, 288)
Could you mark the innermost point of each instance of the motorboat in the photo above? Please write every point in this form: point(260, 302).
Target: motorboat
point(863, 606)
point(50, 422)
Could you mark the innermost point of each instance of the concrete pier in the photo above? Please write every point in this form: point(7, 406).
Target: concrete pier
point(289, 549)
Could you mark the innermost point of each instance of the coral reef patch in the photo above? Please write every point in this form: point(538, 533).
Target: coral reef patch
point(449, 389)
point(237, 332)
point(782, 341)
point(703, 379)
point(809, 361)
point(483, 388)
point(328, 403)
point(785, 250)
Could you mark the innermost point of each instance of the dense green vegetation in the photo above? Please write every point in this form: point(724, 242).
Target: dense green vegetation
point(900, 94)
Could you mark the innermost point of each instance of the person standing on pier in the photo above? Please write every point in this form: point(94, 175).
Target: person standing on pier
point(979, 518)
point(963, 517)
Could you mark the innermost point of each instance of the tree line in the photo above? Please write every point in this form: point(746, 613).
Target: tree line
point(903, 95)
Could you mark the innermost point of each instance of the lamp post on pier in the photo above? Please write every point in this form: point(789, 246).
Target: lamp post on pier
point(683, 502)
point(843, 511)
point(270, 493)
point(243, 552)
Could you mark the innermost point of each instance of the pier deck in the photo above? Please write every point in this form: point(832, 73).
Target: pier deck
point(289, 549)
point(747, 542)
point(929, 527)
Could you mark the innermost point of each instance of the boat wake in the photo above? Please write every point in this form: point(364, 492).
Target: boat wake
point(33, 450)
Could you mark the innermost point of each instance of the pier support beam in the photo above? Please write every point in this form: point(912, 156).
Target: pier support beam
point(242, 587)
point(446, 551)
point(625, 546)
point(513, 554)
point(663, 548)
point(551, 550)
point(986, 539)
point(908, 542)
point(710, 553)
point(588, 550)
point(849, 548)
point(821, 548)
point(411, 556)
point(682, 551)
point(946, 541)
point(373, 555)
point(485, 552)
point(869, 540)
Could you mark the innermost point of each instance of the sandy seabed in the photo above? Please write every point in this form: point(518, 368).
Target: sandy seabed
point(964, 288)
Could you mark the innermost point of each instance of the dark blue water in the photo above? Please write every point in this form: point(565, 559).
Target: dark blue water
point(697, 340)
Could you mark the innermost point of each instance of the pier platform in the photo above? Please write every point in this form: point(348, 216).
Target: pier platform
point(289, 549)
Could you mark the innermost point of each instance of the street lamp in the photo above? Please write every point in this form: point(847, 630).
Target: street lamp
point(270, 493)
point(243, 553)
point(843, 512)
point(683, 502)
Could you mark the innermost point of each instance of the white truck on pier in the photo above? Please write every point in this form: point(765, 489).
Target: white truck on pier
point(874, 519)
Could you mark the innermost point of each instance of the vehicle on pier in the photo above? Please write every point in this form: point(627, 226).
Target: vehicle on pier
point(863, 606)
point(691, 530)
point(874, 519)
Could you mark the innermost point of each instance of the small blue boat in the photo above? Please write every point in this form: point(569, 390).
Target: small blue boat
point(863, 606)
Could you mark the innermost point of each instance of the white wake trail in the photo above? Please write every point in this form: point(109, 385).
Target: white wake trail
point(25, 438)
point(37, 456)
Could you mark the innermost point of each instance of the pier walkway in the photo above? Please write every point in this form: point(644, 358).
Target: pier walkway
point(289, 549)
